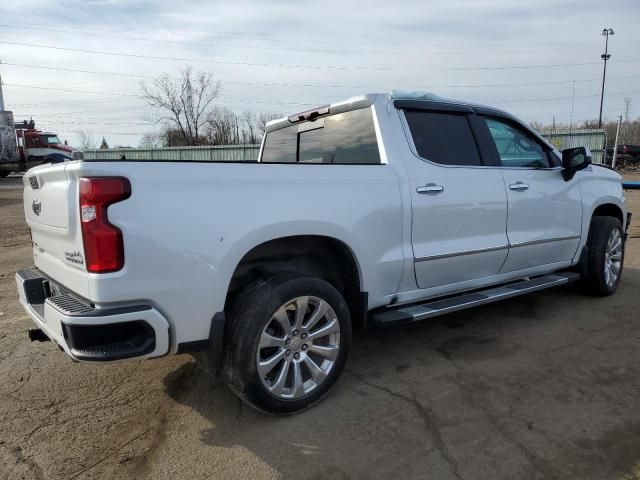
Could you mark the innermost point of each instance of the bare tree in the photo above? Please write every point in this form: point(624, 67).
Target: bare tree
point(86, 141)
point(262, 119)
point(591, 123)
point(222, 127)
point(254, 125)
point(536, 125)
point(249, 133)
point(150, 140)
point(183, 104)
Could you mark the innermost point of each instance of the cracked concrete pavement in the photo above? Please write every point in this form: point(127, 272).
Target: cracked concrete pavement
point(541, 387)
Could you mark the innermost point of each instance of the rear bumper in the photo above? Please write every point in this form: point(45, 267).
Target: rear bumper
point(87, 332)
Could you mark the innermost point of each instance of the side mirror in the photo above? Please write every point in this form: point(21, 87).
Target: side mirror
point(573, 160)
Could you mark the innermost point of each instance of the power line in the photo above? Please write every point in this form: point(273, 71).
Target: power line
point(95, 92)
point(192, 60)
point(126, 36)
point(65, 102)
point(233, 82)
point(201, 44)
point(137, 134)
point(297, 39)
point(57, 89)
point(118, 124)
point(562, 98)
point(300, 66)
point(234, 100)
point(80, 112)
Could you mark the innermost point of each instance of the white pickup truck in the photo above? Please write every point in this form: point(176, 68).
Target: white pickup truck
point(382, 209)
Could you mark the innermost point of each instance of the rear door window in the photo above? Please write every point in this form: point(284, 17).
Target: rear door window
point(443, 137)
point(343, 138)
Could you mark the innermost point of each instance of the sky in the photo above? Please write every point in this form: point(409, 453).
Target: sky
point(77, 65)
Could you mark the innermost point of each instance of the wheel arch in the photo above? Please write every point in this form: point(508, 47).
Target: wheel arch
point(605, 209)
point(609, 210)
point(326, 257)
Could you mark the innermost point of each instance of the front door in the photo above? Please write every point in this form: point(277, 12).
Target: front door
point(545, 213)
point(459, 206)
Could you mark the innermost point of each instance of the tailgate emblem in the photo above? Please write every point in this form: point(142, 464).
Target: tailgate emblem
point(36, 206)
point(74, 257)
point(34, 182)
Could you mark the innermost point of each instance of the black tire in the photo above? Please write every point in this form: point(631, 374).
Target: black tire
point(250, 313)
point(594, 282)
point(4, 173)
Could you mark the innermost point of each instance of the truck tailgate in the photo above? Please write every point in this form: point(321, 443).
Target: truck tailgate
point(51, 210)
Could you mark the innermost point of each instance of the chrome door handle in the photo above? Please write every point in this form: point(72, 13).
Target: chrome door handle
point(430, 188)
point(518, 186)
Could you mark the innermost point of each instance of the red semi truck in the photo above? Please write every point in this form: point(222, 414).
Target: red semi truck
point(22, 146)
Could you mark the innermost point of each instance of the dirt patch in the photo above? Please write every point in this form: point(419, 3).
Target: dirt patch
point(539, 387)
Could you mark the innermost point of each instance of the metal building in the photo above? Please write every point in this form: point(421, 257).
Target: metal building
point(594, 138)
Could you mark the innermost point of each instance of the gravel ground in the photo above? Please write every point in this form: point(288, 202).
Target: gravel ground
point(540, 387)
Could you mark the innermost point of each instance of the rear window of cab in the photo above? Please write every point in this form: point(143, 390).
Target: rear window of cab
point(347, 138)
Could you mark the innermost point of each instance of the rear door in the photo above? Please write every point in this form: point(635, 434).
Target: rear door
point(545, 212)
point(459, 205)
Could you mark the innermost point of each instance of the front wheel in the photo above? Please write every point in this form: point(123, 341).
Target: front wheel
point(287, 342)
point(606, 256)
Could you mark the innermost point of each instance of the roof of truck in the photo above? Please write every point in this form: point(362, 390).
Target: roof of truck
point(367, 99)
point(401, 99)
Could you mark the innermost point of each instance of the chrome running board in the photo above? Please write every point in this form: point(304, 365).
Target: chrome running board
point(435, 308)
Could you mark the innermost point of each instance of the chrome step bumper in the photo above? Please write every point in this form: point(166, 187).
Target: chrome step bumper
point(85, 331)
point(435, 308)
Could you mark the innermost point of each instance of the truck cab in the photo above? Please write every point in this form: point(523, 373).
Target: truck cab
point(36, 146)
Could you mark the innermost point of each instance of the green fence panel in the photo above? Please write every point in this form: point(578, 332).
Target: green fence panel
point(214, 153)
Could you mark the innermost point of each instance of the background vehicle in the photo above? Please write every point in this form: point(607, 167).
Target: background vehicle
point(381, 209)
point(627, 155)
point(23, 147)
point(36, 145)
point(9, 155)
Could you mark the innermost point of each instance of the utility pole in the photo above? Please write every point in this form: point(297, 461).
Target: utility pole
point(627, 113)
point(573, 95)
point(615, 147)
point(1, 96)
point(605, 56)
point(627, 109)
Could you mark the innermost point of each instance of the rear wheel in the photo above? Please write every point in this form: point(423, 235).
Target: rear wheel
point(606, 256)
point(287, 342)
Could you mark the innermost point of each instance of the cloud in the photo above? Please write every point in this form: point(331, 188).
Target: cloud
point(437, 45)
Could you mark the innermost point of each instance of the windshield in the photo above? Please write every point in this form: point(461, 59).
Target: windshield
point(49, 139)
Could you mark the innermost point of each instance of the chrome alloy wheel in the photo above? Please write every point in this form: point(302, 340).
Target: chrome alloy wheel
point(298, 347)
point(613, 258)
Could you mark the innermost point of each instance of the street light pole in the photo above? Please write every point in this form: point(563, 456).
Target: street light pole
point(1, 96)
point(605, 56)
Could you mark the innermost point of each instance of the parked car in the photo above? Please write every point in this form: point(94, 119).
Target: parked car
point(627, 155)
point(379, 210)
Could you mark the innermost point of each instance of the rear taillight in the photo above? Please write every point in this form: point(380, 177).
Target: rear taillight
point(103, 245)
